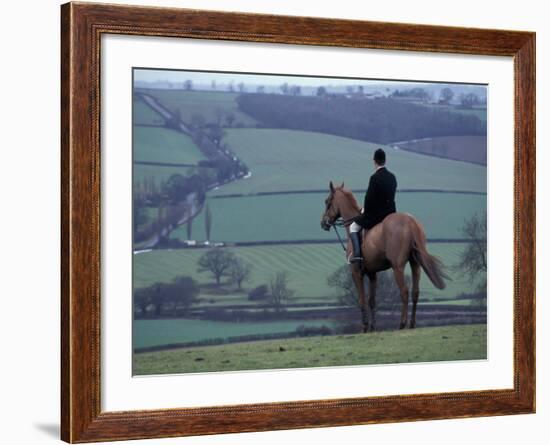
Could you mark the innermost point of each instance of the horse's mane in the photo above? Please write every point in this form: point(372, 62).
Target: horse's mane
point(351, 198)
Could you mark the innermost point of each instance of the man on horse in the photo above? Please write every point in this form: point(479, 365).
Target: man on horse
point(379, 202)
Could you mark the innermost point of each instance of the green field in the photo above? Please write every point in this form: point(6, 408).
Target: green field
point(282, 160)
point(144, 114)
point(164, 145)
point(468, 148)
point(302, 213)
point(169, 331)
point(467, 342)
point(307, 265)
point(205, 103)
point(480, 113)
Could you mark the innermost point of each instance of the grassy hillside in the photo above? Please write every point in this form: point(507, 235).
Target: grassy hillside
point(419, 345)
point(283, 160)
point(164, 145)
point(297, 216)
point(308, 267)
point(205, 103)
point(144, 114)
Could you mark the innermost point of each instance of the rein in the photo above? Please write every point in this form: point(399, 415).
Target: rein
point(341, 223)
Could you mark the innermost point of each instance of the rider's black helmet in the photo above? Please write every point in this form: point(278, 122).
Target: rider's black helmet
point(380, 156)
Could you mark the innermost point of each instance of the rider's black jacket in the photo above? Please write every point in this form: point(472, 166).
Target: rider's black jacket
point(379, 199)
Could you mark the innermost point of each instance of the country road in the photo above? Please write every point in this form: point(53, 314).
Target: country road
point(191, 209)
point(164, 112)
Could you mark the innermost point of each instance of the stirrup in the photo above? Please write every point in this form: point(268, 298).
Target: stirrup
point(355, 259)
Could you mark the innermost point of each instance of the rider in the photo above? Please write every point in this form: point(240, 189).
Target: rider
point(379, 203)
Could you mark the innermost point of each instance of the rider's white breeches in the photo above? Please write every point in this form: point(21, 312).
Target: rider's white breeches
point(354, 227)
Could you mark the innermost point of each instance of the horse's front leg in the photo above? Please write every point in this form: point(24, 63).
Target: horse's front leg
point(372, 301)
point(358, 279)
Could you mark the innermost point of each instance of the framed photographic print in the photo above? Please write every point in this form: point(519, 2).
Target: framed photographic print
point(277, 222)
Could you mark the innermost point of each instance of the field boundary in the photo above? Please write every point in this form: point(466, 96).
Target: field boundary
point(198, 245)
point(164, 164)
point(317, 191)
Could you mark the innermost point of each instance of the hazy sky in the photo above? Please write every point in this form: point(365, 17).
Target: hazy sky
point(149, 75)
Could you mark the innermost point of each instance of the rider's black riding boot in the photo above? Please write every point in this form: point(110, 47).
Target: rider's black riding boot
point(356, 244)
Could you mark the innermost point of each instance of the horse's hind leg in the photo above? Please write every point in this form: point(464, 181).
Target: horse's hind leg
point(358, 277)
point(372, 301)
point(399, 275)
point(415, 271)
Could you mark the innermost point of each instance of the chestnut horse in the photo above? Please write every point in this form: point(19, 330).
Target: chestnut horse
point(399, 239)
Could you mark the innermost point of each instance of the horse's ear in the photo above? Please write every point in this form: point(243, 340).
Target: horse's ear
point(331, 185)
point(342, 186)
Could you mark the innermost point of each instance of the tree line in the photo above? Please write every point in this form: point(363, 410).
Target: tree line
point(382, 120)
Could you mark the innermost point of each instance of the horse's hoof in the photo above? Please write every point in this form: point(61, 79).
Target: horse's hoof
point(413, 325)
point(402, 326)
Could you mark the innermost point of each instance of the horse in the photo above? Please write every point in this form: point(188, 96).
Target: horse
point(398, 239)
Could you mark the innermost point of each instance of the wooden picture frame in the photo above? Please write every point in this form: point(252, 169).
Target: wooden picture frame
point(82, 26)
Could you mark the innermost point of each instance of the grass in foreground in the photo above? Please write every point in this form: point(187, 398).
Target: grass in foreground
point(468, 342)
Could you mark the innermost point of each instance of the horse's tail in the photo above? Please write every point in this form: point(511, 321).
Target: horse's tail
point(432, 265)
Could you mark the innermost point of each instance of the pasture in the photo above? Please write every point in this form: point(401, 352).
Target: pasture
point(152, 144)
point(467, 148)
point(143, 114)
point(170, 331)
point(297, 216)
point(480, 113)
point(307, 265)
point(283, 160)
point(467, 342)
point(209, 104)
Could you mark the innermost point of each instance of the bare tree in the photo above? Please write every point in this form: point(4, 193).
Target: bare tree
point(296, 90)
point(469, 100)
point(189, 228)
point(280, 291)
point(321, 91)
point(217, 261)
point(239, 272)
point(473, 259)
point(229, 119)
point(216, 133)
point(208, 221)
point(387, 292)
point(446, 95)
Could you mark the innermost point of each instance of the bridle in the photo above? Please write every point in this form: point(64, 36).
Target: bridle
point(339, 222)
